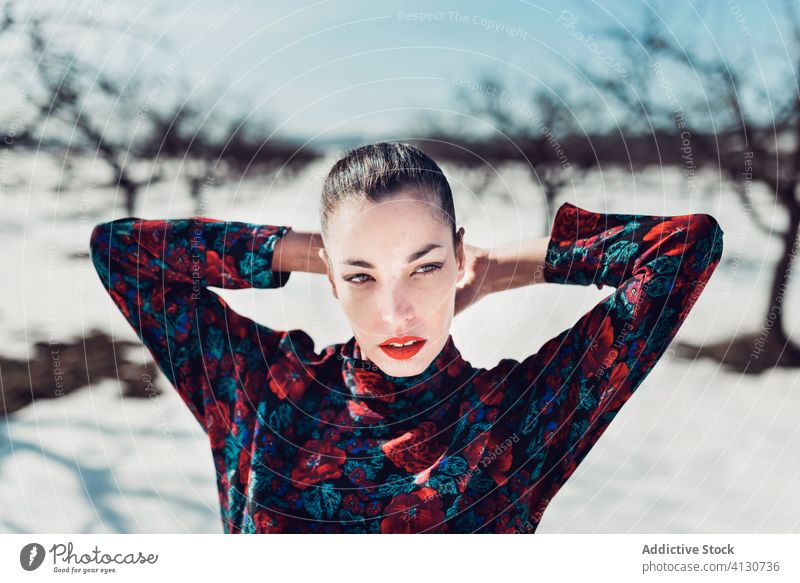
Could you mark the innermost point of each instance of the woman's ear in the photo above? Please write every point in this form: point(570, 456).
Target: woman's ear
point(460, 255)
point(324, 256)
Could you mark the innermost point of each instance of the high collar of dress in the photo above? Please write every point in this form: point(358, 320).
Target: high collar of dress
point(376, 397)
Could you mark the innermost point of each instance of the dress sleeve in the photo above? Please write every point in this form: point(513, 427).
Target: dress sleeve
point(157, 273)
point(577, 382)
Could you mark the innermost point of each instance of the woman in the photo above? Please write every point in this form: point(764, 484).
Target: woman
point(393, 431)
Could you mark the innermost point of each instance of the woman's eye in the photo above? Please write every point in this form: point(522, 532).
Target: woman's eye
point(433, 267)
point(352, 279)
point(422, 270)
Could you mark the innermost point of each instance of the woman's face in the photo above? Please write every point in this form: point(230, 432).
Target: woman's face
point(394, 270)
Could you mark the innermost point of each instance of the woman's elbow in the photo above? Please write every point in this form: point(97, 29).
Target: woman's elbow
point(710, 236)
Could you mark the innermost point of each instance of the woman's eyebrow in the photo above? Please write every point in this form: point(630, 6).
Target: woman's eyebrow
point(413, 257)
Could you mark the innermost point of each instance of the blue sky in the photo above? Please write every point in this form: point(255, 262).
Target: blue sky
point(339, 68)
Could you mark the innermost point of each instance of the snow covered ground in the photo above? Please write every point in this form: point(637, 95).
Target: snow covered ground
point(697, 449)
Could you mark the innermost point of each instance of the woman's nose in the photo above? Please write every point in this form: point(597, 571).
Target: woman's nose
point(396, 307)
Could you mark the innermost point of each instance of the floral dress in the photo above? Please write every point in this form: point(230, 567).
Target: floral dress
point(307, 441)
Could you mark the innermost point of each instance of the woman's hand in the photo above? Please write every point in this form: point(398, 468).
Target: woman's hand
point(476, 282)
point(502, 268)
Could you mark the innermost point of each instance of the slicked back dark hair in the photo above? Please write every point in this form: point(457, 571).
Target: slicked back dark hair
point(378, 171)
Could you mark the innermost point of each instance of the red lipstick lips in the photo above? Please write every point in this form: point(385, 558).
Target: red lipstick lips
point(402, 352)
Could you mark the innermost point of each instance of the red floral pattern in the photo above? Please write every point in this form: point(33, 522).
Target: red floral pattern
point(413, 513)
point(322, 442)
point(415, 450)
point(316, 461)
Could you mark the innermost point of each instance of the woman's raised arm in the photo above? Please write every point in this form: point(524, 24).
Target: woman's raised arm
point(567, 393)
point(299, 251)
point(157, 273)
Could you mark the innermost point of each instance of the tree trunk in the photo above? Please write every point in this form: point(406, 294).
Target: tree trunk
point(549, 208)
point(781, 273)
point(130, 198)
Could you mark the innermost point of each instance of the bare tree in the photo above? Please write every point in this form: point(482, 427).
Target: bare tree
point(541, 131)
point(212, 148)
point(85, 111)
point(19, 131)
point(731, 135)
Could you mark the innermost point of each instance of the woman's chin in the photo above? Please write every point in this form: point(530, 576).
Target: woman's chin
point(402, 368)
